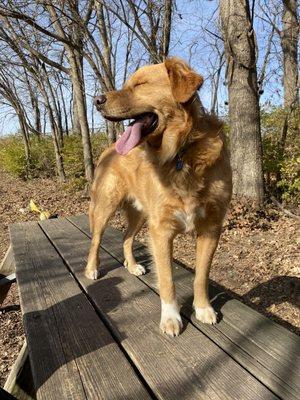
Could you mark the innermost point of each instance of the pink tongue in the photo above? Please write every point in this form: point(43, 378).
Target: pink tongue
point(130, 138)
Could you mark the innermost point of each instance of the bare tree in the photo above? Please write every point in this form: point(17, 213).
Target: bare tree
point(244, 113)
point(8, 92)
point(287, 29)
point(75, 57)
point(107, 65)
point(150, 22)
point(35, 75)
point(35, 104)
point(60, 87)
point(54, 128)
point(289, 43)
point(215, 83)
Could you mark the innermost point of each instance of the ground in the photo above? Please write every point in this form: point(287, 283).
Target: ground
point(258, 259)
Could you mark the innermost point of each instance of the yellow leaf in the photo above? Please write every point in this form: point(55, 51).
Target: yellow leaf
point(33, 206)
point(44, 215)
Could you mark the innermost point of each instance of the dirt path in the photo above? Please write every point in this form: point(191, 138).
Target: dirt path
point(257, 260)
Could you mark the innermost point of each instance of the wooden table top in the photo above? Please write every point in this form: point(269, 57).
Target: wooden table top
point(101, 339)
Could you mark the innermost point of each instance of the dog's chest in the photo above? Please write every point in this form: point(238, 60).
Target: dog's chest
point(188, 215)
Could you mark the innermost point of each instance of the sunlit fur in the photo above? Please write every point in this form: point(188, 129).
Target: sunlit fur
point(172, 201)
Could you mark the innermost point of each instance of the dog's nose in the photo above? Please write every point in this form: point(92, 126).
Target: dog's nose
point(99, 100)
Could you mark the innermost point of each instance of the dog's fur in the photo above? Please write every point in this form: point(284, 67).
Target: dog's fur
point(148, 185)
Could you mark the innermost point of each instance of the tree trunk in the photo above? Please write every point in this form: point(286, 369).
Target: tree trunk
point(289, 43)
point(55, 110)
point(112, 130)
point(244, 113)
point(75, 118)
point(37, 117)
point(57, 150)
point(75, 58)
point(215, 87)
point(166, 31)
point(34, 105)
point(37, 114)
point(107, 70)
point(82, 115)
point(45, 121)
point(64, 109)
point(59, 122)
point(25, 136)
point(111, 135)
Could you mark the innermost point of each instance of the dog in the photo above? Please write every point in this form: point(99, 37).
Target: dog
point(171, 168)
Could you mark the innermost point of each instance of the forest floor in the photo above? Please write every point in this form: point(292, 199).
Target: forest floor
point(257, 261)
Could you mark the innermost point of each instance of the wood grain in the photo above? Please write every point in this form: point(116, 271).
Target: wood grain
point(265, 349)
point(72, 354)
point(188, 367)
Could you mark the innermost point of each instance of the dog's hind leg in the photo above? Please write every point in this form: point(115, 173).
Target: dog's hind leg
point(207, 242)
point(135, 220)
point(161, 241)
point(103, 205)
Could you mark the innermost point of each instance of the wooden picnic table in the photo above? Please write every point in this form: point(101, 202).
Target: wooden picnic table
point(101, 339)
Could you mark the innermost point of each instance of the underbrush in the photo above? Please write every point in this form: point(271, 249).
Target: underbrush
point(13, 159)
point(281, 154)
point(41, 163)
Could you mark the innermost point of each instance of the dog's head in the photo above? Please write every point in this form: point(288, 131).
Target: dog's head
point(157, 99)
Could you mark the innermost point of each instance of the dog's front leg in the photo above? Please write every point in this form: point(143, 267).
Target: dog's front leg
point(98, 220)
point(206, 245)
point(102, 207)
point(161, 241)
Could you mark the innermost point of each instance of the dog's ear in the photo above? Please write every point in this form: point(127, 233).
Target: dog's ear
point(184, 81)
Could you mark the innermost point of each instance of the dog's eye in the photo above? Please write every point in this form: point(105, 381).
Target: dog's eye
point(139, 84)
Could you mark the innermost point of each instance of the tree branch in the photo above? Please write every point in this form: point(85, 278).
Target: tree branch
point(30, 21)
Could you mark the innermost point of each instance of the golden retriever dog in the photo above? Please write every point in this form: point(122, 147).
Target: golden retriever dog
point(171, 168)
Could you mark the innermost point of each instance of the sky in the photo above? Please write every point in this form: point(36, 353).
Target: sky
point(191, 43)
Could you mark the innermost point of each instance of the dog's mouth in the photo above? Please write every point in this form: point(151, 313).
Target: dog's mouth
point(141, 126)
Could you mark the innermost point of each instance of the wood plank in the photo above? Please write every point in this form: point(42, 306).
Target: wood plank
point(4, 395)
point(7, 268)
point(267, 350)
point(19, 382)
point(72, 354)
point(5, 284)
point(188, 367)
point(8, 280)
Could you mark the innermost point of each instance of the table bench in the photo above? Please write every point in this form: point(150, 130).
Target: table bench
point(101, 339)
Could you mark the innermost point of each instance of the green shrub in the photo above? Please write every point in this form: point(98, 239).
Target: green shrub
point(13, 160)
point(42, 157)
point(73, 156)
point(75, 184)
point(12, 156)
point(289, 183)
point(99, 144)
point(73, 153)
point(73, 159)
point(282, 170)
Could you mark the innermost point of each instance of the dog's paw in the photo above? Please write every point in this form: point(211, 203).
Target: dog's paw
point(170, 322)
point(207, 315)
point(171, 326)
point(136, 269)
point(91, 274)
